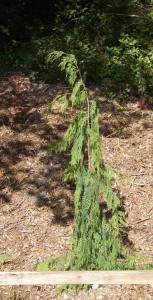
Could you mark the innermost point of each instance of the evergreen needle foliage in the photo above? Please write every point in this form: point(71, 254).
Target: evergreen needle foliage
point(96, 239)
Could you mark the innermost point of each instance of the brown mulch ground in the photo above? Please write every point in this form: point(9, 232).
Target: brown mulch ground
point(36, 207)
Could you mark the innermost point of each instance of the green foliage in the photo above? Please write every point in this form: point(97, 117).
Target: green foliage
point(130, 67)
point(148, 267)
point(112, 41)
point(4, 258)
point(95, 243)
point(96, 240)
point(44, 266)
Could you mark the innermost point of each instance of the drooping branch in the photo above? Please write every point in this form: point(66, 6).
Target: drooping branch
point(88, 126)
point(88, 117)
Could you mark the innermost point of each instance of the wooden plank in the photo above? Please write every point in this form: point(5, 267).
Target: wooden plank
point(76, 277)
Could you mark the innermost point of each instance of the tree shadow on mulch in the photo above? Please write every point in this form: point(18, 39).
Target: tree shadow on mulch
point(26, 132)
point(116, 118)
point(26, 165)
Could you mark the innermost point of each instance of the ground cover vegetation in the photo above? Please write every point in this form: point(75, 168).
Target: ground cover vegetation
point(110, 45)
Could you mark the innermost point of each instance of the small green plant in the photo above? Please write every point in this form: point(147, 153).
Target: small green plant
point(4, 258)
point(45, 265)
point(96, 239)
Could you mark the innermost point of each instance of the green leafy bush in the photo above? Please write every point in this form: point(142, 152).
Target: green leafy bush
point(129, 67)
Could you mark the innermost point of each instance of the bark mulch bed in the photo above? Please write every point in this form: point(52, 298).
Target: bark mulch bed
point(36, 207)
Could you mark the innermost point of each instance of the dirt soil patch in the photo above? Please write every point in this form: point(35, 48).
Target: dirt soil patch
point(36, 207)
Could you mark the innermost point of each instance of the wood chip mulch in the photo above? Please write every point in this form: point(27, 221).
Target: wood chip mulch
point(36, 207)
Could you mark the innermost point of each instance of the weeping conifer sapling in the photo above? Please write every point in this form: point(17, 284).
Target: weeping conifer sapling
point(96, 239)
